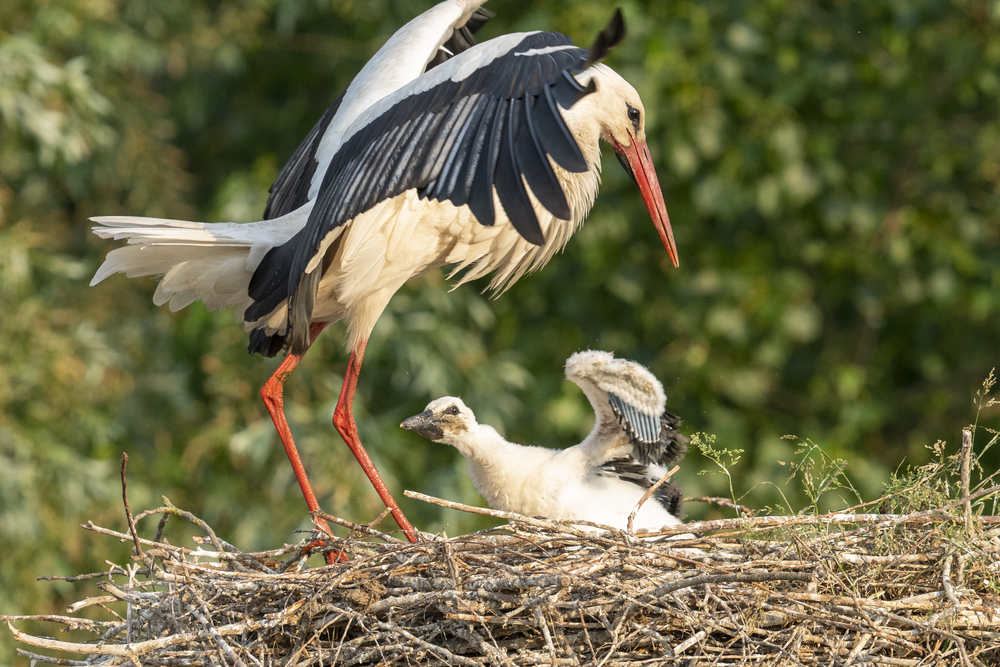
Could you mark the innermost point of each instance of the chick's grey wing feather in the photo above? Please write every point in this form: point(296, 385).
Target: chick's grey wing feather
point(638, 403)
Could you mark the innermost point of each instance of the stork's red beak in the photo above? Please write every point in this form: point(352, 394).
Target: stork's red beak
point(639, 165)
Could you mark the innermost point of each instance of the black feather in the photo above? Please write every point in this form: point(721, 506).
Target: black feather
point(261, 343)
point(445, 184)
point(462, 39)
point(481, 196)
point(554, 135)
point(668, 495)
point(479, 18)
point(607, 39)
point(476, 157)
point(653, 439)
point(510, 186)
point(671, 497)
point(672, 444)
point(451, 132)
point(534, 163)
point(290, 189)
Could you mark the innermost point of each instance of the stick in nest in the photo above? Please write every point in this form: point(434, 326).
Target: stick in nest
point(128, 511)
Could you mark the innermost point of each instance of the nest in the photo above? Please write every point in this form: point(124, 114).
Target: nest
point(834, 589)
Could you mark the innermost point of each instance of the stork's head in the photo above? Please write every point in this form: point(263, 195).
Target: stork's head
point(617, 114)
point(446, 420)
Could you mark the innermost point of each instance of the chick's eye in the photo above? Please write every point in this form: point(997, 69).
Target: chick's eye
point(453, 410)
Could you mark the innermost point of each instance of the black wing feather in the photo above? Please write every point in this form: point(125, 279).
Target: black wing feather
point(510, 185)
point(481, 192)
point(462, 39)
point(555, 136)
point(672, 445)
point(451, 168)
point(290, 189)
point(669, 495)
point(654, 438)
point(535, 164)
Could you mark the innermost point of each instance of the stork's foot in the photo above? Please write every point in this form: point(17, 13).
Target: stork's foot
point(330, 556)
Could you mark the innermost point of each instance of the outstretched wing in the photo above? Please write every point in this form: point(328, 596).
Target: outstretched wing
point(625, 394)
point(478, 123)
point(290, 189)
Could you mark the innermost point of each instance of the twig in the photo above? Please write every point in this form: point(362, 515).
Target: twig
point(35, 657)
point(438, 650)
point(566, 526)
point(133, 651)
point(169, 508)
point(879, 521)
point(128, 511)
point(360, 528)
point(79, 577)
point(966, 458)
point(689, 642)
point(754, 578)
point(650, 491)
point(204, 616)
point(544, 626)
point(946, 581)
point(722, 502)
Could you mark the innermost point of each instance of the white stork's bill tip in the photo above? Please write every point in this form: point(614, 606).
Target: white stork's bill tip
point(638, 164)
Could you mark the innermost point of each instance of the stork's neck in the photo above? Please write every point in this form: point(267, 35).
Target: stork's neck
point(498, 468)
point(599, 402)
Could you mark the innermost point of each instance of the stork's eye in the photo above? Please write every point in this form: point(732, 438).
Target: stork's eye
point(634, 116)
point(453, 410)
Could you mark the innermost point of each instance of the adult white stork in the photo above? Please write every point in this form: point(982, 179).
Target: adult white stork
point(603, 478)
point(433, 173)
point(196, 259)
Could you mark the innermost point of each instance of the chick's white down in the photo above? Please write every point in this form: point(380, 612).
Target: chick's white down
point(539, 481)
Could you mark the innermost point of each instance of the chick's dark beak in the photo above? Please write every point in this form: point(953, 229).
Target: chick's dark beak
point(425, 424)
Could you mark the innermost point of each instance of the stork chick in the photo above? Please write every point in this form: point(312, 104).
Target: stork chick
point(601, 479)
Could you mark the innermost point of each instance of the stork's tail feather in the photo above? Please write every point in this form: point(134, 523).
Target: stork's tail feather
point(211, 262)
point(264, 344)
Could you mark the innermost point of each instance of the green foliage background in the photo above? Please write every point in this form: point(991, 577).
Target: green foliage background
point(832, 172)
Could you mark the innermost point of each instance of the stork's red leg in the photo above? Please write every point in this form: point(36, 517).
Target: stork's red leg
point(343, 420)
point(274, 401)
